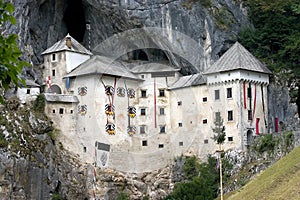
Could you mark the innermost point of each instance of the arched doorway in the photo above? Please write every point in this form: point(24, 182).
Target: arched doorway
point(54, 89)
point(249, 137)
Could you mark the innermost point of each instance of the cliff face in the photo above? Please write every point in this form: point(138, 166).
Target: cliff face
point(212, 25)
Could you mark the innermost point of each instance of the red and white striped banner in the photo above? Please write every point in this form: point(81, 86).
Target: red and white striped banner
point(48, 81)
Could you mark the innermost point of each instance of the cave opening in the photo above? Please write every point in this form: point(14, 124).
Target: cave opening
point(75, 19)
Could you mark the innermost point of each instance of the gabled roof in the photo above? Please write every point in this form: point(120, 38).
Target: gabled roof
point(61, 46)
point(153, 67)
point(187, 81)
point(237, 57)
point(102, 65)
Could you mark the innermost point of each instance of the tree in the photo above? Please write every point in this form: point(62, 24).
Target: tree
point(10, 63)
point(219, 129)
point(274, 37)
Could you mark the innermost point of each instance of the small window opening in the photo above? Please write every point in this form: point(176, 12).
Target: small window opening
point(143, 93)
point(204, 99)
point(206, 141)
point(61, 111)
point(144, 143)
point(204, 121)
point(160, 146)
point(53, 111)
point(217, 94)
point(180, 143)
point(162, 129)
point(161, 111)
point(142, 129)
point(84, 149)
point(230, 139)
point(180, 124)
point(28, 91)
point(229, 92)
point(71, 111)
point(249, 114)
point(179, 103)
point(230, 115)
point(53, 72)
point(53, 57)
point(143, 111)
point(161, 92)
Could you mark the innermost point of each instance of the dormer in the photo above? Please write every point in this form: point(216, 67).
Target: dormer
point(237, 64)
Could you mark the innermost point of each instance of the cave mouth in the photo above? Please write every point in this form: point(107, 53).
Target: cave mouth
point(74, 19)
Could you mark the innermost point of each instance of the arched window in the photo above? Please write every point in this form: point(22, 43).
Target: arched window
point(54, 89)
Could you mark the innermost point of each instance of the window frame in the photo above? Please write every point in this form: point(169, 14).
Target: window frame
point(143, 93)
point(161, 93)
point(143, 112)
point(229, 93)
point(230, 115)
point(217, 95)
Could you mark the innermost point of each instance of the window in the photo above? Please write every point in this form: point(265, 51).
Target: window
point(143, 93)
point(204, 121)
point(249, 114)
point(180, 143)
point(84, 149)
point(71, 111)
point(230, 139)
point(142, 129)
point(143, 111)
point(162, 129)
point(249, 94)
point(53, 72)
point(180, 124)
point(229, 92)
point(161, 92)
point(217, 94)
point(161, 111)
point(61, 111)
point(53, 57)
point(206, 141)
point(144, 143)
point(217, 116)
point(28, 91)
point(53, 111)
point(160, 146)
point(179, 103)
point(204, 99)
point(142, 76)
point(230, 115)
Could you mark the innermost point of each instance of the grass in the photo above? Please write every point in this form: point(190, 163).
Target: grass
point(280, 181)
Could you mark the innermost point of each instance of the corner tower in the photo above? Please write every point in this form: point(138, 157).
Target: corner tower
point(60, 59)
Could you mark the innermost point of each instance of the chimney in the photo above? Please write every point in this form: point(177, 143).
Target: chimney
point(68, 41)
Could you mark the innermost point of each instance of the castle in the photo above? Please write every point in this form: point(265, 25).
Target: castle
point(138, 117)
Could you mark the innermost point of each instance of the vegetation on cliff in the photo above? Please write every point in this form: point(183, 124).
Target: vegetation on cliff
point(274, 38)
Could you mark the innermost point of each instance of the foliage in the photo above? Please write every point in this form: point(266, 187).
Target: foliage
point(275, 36)
point(266, 143)
point(219, 129)
point(190, 167)
point(39, 104)
point(202, 186)
point(10, 64)
point(123, 196)
point(289, 139)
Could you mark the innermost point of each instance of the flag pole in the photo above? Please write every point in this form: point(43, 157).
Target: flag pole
point(220, 151)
